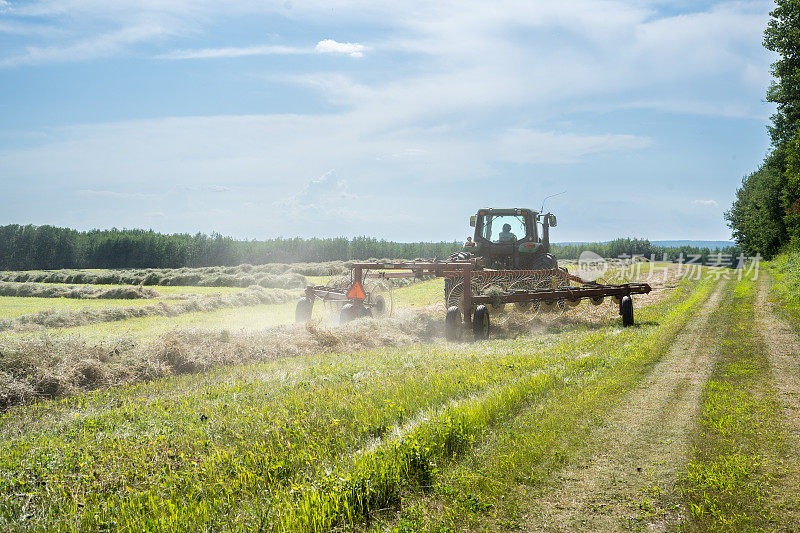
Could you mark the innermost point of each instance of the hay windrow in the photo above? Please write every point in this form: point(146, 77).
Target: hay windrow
point(271, 276)
point(41, 290)
point(43, 366)
point(62, 318)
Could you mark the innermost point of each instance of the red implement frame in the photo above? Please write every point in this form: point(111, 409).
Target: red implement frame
point(468, 269)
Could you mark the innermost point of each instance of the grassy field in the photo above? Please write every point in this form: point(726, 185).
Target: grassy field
point(231, 319)
point(785, 270)
point(727, 483)
point(413, 433)
point(14, 306)
point(239, 318)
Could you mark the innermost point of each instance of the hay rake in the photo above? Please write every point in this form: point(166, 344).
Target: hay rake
point(365, 292)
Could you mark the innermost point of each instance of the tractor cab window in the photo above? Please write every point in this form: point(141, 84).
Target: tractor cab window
point(504, 228)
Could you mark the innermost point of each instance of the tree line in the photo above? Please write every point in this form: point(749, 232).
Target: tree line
point(48, 248)
point(31, 247)
point(765, 216)
point(626, 248)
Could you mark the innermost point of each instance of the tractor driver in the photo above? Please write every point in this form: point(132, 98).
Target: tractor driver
point(506, 235)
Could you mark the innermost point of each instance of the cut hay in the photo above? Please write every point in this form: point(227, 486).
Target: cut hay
point(64, 318)
point(41, 290)
point(43, 366)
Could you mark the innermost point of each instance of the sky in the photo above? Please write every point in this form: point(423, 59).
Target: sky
point(397, 120)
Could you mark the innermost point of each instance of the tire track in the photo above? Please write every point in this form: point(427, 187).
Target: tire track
point(783, 352)
point(630, 482)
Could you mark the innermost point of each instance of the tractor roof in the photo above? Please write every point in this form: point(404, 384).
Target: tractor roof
point(506, 211)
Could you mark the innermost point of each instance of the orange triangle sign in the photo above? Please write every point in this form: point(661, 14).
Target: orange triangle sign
point(356, 291)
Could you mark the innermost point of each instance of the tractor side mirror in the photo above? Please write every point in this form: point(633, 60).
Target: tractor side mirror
point(473, 220)
point(551, 220)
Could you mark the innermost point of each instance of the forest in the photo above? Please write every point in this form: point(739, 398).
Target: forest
point(765, 216)
point(47, 248)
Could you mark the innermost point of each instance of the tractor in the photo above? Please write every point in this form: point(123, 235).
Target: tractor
point(511, 239)
point(507, 261)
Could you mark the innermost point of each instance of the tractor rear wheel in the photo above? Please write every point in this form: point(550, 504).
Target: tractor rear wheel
point(364, 312)
point(626, 310)
point(480, 322)
point(452, 323)
point(302, 312)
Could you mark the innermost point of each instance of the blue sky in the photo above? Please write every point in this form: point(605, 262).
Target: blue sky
point(392, 119)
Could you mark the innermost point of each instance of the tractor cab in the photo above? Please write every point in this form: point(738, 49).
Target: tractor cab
point(513, 239)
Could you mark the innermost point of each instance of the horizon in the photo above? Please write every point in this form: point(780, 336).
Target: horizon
point(657, 242)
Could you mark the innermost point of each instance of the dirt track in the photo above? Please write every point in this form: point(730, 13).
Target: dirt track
point(783, 350)
point(628, 477)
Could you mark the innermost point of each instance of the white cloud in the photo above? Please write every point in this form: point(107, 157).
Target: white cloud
point(478, 54)
point(323, 47)
point(706, 203)
point(329, 46)
point(399, 175)
point(521, 145)
point(209, 188)
point(215, 53)
point(325, 194)
point(103, 46)
point(273, 150)
point(115, 194)
point(20, 28)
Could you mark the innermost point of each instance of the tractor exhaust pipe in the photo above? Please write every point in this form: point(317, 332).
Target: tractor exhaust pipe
point(548, 219)
point(546, 235)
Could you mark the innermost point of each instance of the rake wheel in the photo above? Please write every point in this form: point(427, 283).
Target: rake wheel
point(553, 309)
point(454, 295)
point(333, 308)
point(527, 283)
point(380, 297)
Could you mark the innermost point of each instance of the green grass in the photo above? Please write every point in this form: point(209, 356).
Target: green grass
point(785, 272)
point(14, 306)
point(232, 319)
point(421, 294)
point(727, 484)
point(300, 444)
point(488, 489)
point(169, 290)
point(319, 280)
point(186, 450)
point(416, 295)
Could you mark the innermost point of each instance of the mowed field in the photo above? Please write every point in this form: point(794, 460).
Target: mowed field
point(207, 409)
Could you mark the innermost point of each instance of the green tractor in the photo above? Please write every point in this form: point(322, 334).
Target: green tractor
point(511, 239)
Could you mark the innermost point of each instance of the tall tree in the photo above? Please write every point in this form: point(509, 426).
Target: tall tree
point(782, 36)
point(755, 216)
point(766, 213)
